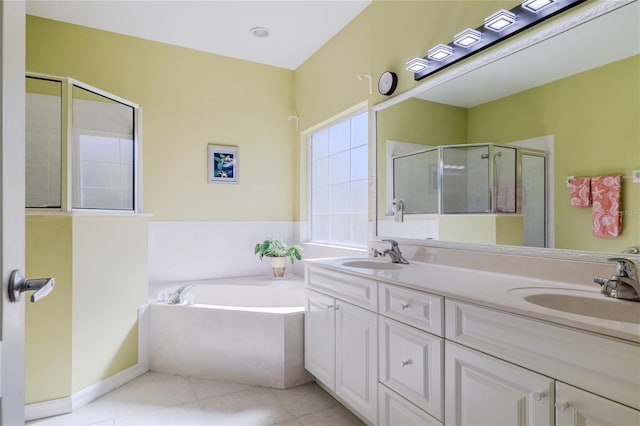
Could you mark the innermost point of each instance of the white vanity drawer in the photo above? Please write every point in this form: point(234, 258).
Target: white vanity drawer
point(394, 410)
point(352, 289)
point(421, 310)
point(606, 366)
point(411, 364)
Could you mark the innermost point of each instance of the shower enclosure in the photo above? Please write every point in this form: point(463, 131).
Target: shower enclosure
point(472, 179)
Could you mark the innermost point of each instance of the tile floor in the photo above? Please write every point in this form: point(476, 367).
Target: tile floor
point(161, 399)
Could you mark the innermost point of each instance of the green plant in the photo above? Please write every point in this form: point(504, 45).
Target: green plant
point(274, 247)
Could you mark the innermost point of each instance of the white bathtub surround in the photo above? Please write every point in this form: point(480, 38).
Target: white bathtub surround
point(243, 330)
point(198, 250)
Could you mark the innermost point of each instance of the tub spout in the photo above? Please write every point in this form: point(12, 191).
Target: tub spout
point(179, 296)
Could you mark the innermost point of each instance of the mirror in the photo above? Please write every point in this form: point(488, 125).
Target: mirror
point(570, 89)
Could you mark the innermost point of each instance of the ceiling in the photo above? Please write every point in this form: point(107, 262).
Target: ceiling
point(298, 28)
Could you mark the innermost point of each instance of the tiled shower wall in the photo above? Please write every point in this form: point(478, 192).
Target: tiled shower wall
point(43, 150)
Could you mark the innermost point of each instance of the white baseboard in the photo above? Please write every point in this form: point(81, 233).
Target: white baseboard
point(81, 398)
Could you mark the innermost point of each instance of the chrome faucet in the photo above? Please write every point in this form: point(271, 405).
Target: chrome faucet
point(624, 284)
point(394, 252)
point(179, 296)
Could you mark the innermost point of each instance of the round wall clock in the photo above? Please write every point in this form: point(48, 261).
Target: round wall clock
point(387, 83)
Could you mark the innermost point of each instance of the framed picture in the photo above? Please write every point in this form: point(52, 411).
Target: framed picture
point(223, 164)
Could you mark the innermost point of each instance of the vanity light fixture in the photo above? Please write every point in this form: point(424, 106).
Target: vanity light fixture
point(416, 65)
point(467, 38)
point(500, 20)
point(536, 5)
point(440, 52)
point(497, 27)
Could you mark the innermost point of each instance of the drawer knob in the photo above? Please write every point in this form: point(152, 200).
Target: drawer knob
point(405, 306)
point(405, 362)
point(562, 406)
point(537, 396)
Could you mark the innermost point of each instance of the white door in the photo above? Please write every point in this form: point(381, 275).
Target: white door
point(319, 338)
point(357, 358)
point(482, 390)
point(576, 407)
point(12, 172)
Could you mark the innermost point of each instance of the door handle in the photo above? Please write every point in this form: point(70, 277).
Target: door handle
point(18, 284)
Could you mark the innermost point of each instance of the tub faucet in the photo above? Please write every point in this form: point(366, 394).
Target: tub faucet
point(394, 252)
point(624, 284)
point(179, 296)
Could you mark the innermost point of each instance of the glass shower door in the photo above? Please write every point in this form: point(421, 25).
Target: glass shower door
point(534, 199)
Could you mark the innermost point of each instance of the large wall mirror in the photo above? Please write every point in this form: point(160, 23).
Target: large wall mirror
point(567, 92)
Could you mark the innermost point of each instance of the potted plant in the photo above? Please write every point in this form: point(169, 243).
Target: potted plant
point(278, 251)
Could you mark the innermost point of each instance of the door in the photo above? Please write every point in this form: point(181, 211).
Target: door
point(319, 338)
point(12, 172)
point(534, 199)
point(577, 407)
point(482, 390)
point(357, 358)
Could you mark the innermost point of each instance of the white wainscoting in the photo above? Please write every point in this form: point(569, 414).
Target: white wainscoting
point(190, 250)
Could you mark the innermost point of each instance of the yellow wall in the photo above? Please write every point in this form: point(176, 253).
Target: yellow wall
point(48, 322)
point(481, 229)
point(109, 284)
point(86, 329)
point(189, 99)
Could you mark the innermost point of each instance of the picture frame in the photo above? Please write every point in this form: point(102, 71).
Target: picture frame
point(222, 163)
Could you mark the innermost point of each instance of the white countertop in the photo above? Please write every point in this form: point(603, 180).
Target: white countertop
point(494, 290)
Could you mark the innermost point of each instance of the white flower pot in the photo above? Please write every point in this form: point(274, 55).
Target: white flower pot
point(278, 265)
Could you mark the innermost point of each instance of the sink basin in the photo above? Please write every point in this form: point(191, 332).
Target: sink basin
point(597, 306)
point(371, 264)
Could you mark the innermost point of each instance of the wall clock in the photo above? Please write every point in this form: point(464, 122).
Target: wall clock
point(387, 83)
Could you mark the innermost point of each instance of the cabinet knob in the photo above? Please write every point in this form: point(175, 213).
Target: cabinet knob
point(330, 307)
point(405, 362)
point(562, 406)
point(404, 306)
point(537, 396)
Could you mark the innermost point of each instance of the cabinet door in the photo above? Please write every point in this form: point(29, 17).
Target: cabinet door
point(576, 407)
point(482, 390)
point(357, 358)
point(319, 337)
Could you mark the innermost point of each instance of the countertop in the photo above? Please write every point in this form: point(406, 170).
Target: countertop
point(498, 291)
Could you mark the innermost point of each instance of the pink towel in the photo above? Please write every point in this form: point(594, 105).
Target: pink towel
point(605, 193)
point(580, 192)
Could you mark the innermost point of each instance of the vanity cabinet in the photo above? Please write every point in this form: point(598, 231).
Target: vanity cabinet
point(484, 390)
point(341, 338)
point(400, 356)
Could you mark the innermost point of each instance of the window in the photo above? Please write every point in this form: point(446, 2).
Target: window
point(82, 147)
point(43, 142)
point(339, 183)
point(103, 152)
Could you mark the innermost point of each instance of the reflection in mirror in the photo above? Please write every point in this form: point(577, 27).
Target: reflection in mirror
point(578, 106)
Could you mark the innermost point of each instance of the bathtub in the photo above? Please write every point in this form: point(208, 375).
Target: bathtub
point(243, 330)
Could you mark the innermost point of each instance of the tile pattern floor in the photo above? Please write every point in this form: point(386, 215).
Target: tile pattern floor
point(161, 399)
